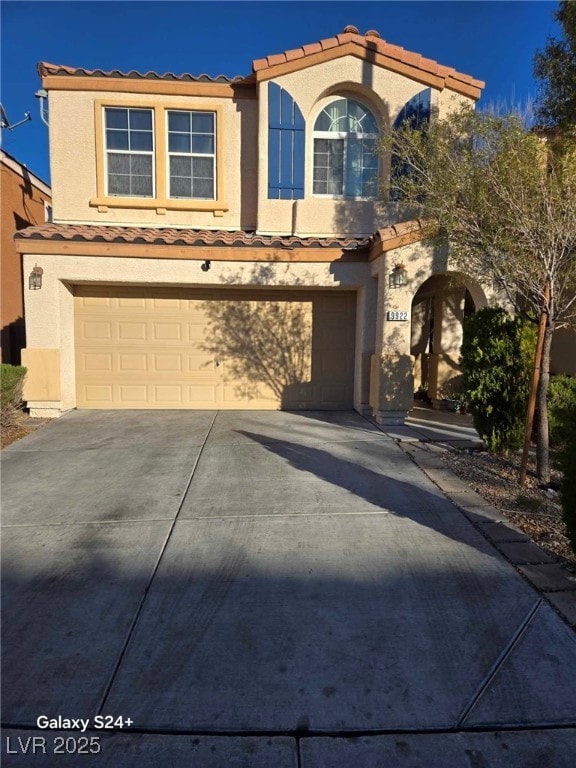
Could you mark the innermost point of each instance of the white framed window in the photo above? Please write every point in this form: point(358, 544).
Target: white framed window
point(345, 151)
point(129, 151)
point(191, 166)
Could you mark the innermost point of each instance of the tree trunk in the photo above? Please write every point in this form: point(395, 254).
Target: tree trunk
point(543, 439)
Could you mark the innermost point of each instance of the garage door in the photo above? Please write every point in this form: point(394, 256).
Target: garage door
point(206, 348)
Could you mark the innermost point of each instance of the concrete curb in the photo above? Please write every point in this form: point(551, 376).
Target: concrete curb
point(533, 563)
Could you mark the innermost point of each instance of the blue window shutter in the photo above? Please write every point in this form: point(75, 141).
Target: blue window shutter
point(273, 141)
point(285, 146)
point(417, 110)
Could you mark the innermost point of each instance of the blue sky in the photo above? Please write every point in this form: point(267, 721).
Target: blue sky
point(493, 41)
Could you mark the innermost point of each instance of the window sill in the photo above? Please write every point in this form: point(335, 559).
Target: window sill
point(103, 204)
point(344, 198)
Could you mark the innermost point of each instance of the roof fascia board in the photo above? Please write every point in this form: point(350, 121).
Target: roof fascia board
point(163, 87)
point(192, 253)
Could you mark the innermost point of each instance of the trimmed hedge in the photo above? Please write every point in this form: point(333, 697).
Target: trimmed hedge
point(497, 356)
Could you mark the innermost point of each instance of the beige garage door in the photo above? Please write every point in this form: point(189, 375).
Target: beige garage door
point(206, 348)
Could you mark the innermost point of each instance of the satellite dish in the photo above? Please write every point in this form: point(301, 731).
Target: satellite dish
point(5, 123)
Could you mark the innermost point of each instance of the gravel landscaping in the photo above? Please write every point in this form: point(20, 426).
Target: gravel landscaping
point(24, 426)
point(537, 512)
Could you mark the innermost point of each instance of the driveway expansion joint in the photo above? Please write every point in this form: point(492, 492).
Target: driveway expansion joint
point(500, 661)
point(146, 592)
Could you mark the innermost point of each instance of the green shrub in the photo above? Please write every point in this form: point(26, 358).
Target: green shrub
point(11, 381)
point(567, 464)
point(497, 356)
point(561, 398)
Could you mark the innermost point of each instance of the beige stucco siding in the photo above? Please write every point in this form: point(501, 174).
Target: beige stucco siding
point(244, 158)
point(383, 360)
point(73, 161)
point(385, 93)
point(50, 311)
point(448, 101)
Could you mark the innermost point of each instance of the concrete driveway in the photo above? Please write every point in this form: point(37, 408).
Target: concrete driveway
point(264, 589)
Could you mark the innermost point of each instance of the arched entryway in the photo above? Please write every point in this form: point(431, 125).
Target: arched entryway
point(439, 308)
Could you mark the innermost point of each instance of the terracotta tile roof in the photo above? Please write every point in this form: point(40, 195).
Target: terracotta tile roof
point(403, 228)
point(183, 237)
point(372, 41)
point(45, 68)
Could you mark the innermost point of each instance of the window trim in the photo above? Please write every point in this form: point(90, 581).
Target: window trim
point(212, 155)
point(161, 201)
point(149, 152)
point(342, 136)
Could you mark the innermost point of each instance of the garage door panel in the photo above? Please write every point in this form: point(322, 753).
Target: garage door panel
point(168, 394)
point(335, 305)
point(333, 394)
point(198, 393)
point(129, 303)
point(171, 363)
point(96, 301)
point(97, 362)
point(167, 332)
point(331, 364)
point(97, 395)
point(167, 304)
point(196, 331)
point(207, 348)
point(201, 363)
point(133, 393)
point(97, 330)
point(131, 331)
point(132, 362)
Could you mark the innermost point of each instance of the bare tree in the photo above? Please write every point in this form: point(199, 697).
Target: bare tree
point(505, 197)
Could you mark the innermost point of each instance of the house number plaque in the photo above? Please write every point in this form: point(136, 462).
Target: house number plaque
point(396, 315)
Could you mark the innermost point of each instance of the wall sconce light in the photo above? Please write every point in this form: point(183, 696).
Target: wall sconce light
point(35, 279)
point(399, 276)
point(206, 266)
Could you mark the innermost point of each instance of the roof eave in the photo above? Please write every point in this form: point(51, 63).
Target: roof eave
point(373, 51)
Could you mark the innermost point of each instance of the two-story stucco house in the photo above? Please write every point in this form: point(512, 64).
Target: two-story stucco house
point(219, 243)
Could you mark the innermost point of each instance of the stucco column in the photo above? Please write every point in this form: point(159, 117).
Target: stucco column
point(392, 365)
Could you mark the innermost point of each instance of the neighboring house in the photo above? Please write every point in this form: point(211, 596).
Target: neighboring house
point(24, 200)
point(217, 243)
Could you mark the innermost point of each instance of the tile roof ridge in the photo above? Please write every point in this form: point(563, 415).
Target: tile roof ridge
point(371, 40)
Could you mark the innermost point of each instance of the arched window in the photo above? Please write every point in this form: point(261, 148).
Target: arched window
point(345, 151)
